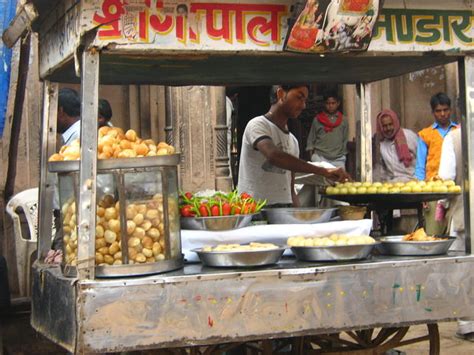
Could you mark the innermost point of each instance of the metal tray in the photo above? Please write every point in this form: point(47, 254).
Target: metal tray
point(248, 258)
point(123, 163)
point(334, 253)
point(220, 223)
point(298, 215)
point(390, 198)
point(394, 245)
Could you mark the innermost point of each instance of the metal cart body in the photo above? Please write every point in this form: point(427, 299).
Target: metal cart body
point(205, 306)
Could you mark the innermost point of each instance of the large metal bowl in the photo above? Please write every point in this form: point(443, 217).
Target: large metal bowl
point(248, 258)
point(298, 215)
point(395, 245)
point(220, 223)
point(333, 253)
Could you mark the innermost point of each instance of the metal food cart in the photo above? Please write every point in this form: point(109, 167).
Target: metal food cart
point(107, 43)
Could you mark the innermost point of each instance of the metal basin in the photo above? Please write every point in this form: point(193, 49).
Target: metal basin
point(248, 258)
point(395, 245)
point(298, 215)
point(333, 253)
point(220, 223)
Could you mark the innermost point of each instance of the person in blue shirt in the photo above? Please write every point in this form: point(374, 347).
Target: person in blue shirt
point(428, 156)
point(430, 139)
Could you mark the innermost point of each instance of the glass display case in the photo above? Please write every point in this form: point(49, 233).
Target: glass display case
point(137, 228)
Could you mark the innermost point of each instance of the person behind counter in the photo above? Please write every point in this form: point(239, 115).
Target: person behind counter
point(428, 154)
point(105, 113)
point(327, 139)
point(397, 148)
point(269, 156)
point(69, 115)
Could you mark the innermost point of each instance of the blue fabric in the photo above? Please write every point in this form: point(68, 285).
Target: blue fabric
point(422, 150)
point(7, 12)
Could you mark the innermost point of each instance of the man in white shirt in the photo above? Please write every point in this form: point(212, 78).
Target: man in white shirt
point(69, 115)
point(450, 168)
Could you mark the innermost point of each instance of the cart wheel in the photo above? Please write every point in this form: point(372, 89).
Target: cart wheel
point(368, 341)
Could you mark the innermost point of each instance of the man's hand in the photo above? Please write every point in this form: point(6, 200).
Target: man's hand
point(339, 175)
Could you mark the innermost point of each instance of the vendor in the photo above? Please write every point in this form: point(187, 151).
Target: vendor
point(397, 147)
point(269, 156)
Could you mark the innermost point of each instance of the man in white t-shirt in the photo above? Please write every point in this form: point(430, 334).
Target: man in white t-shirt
point(269, 156)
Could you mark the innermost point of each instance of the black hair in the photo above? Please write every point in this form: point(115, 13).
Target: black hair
point(331, 94)
point(105, 110)
point(70, 101)
point(440, 99)
point(273, 91)
point(183, 7)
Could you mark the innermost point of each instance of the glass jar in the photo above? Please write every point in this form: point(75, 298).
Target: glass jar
point(137, 225)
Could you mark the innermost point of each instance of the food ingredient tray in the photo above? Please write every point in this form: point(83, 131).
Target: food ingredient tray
point(247, 258)
point(390, 198)
point(298, 215)
point(218, 223)
point(395, 245)
point(333, 253)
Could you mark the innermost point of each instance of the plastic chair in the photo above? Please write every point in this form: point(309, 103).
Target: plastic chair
point(27, 201)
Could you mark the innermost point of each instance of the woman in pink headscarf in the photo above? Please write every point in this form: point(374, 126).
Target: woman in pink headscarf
point(397, 148)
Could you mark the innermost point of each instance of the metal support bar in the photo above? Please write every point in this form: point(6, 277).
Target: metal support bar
point(364, 133)
point(86, 206)
point(466, 84)
point(48, 180)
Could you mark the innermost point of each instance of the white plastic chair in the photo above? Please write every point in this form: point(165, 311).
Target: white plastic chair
point(27, 200)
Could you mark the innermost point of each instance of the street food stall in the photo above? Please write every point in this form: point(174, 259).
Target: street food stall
point(222, 43)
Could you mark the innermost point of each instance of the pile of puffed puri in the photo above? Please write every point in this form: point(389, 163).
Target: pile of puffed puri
point(114, 143)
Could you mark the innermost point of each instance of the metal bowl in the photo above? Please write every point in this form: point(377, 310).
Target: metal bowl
point(395, 245)
point(220, 223)
point(298, 215)
point(333, 253)
point(248, 258)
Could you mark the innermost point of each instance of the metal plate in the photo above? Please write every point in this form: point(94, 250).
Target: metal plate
point(220, 223)
point(109, 164)
point(298, 215)
point(390, 198)
point(248, 258)
point(334, 253)
point(130, 270)
point(394, 245)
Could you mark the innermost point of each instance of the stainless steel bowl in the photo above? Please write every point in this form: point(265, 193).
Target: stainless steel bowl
point(298, 215)
point(220, 223)
point(248, 258)
point(333, 253)
point(395, 245)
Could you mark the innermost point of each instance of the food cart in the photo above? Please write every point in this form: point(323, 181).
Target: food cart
point(108, 42)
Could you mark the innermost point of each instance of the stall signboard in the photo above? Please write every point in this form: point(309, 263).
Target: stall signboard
point(232, 25)
point(249, 25)
point(333, 26)
point(178, 24)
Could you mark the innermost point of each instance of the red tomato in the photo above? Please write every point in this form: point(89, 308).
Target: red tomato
point(186, 211)
point(236, 209)
point(203, 210)
point(226, 209)
point(188, 195)
point(215, 210)
point(245, 196)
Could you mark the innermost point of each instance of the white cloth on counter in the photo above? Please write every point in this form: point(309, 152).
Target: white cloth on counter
point(268, 233)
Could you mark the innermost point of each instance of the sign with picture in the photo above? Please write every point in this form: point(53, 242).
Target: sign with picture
point(323, 26)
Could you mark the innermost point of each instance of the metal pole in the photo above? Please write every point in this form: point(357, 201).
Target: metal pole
point(86, 206)
point(466, 83)
point(48, 180)
point(364, 132)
